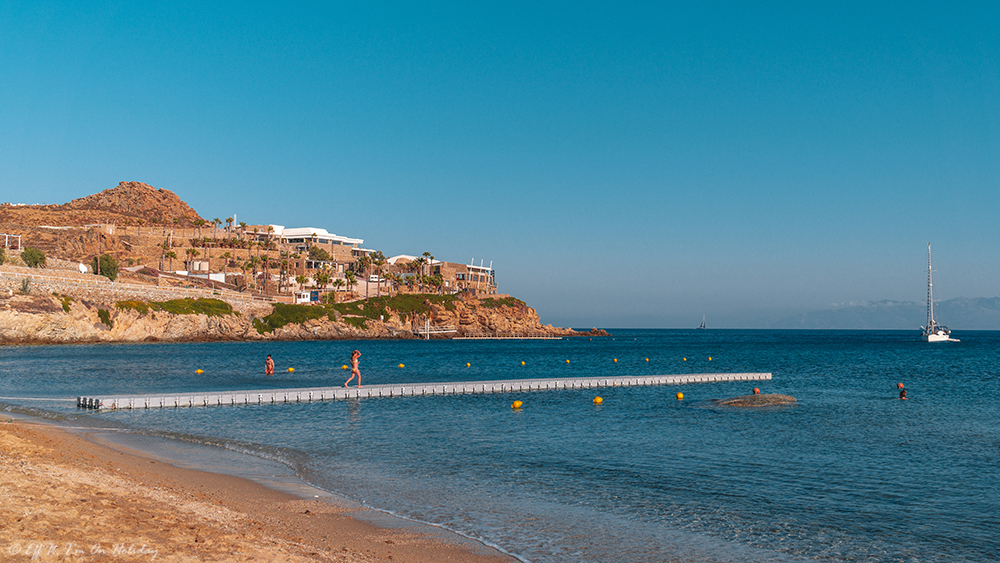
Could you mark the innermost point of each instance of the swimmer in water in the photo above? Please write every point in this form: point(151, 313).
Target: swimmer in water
point(902, 395)
point(269, 366)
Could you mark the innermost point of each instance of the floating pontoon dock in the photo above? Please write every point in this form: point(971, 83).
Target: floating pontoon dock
point(310, 394)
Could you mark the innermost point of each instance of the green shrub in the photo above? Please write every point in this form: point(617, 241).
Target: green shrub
point(139, 306)
point(66, 300)
point(105, 317)
point(33, 257)
point(25, 286)
point(108, 266)
point(317, 253)
point(209, 307)
point(285, 313)
point(403, 304)
point(356, 322)
point(3, 255)
point(491, 303)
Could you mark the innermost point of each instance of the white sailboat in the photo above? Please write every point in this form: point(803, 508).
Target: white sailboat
point(702, 322)
point(933, 332)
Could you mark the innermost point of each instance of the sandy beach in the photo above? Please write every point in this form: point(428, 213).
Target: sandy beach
point(68, 499)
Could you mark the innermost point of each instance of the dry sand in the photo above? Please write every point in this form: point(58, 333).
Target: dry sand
point(69, 500)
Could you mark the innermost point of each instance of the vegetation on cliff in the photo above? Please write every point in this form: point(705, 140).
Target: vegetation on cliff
point(208, 307)
point(508, 301)
point(355, 313)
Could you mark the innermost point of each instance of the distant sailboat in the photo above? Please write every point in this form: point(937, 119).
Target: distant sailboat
point(933, 332)
point(702, 327)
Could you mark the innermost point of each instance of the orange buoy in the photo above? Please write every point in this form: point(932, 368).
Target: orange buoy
point(616, 360)
point(680, 396)
point(516, 405)
point(598, 400)
point(899, 385)
point(756, 391)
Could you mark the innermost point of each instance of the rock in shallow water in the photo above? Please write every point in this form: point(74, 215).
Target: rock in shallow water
point(757, 400)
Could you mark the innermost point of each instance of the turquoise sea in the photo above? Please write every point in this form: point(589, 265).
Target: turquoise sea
point(850, 473)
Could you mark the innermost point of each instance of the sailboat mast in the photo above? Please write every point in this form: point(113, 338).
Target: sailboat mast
point(930, 291)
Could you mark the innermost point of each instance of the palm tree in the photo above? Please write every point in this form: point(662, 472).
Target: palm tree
point(338, 283)
point(265, 262)
point(301, 279)
point(351, 280)
point(225, 256)
point(364, 263)
point(229, 225)
point(246, 267)
point(170, 256)
point(243, 229)
point(322, 277)
point(192, 253)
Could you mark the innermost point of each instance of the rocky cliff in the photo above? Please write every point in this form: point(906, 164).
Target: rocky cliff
point(62, 319)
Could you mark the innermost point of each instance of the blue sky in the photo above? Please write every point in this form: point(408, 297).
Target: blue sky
point(621, 166)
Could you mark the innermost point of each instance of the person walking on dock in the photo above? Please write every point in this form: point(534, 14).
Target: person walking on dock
point(355, 368)
point(269, 366)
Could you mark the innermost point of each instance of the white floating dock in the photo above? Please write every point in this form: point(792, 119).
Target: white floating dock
point(310, 394)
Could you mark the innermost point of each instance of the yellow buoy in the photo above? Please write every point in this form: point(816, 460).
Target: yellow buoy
point(291, 369)
point(402, 366)
point(647, 359)
point(199, 371)
point(616, 360)
point(680, 396)
point(516, 405)
point(522, 363)
point(567, 361)
point(598, 400)
point(710, 358)
point(685, 359)
point(467, 364)
point(343, 366)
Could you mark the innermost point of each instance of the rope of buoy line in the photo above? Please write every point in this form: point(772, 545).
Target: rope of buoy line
point(33, 399)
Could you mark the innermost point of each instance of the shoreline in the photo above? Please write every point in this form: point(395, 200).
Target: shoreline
point(70, 497)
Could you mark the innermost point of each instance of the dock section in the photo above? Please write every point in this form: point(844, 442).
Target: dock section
point(310, 394)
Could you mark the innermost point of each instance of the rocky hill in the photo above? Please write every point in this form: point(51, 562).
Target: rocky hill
point(129, 203)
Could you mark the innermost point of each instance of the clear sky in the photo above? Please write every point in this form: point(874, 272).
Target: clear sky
point(621, 164)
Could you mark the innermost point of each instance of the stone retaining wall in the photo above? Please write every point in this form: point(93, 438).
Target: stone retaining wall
point(108, 293)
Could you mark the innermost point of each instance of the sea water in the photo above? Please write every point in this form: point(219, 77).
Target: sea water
point(848, 473)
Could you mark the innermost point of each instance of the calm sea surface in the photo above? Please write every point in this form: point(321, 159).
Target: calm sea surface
point(850, 473)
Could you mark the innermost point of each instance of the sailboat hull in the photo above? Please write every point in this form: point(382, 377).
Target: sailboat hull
point(936, 338)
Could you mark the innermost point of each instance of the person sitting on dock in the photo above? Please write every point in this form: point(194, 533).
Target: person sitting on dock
point(355, 368)
point(269, 366)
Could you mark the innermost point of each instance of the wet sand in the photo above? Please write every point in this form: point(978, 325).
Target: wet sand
point(68, 499)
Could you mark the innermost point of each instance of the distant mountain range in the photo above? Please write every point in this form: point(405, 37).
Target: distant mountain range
point(962, 313)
